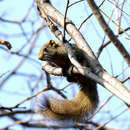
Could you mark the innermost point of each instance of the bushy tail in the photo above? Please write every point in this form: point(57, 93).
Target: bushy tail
point(84, 103)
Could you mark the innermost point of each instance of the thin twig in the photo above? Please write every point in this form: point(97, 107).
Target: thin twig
point(100, 108)
point(65, 15)
point(113, 118)
point(109, 41)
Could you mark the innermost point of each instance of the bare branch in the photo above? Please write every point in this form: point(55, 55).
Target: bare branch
point(108, 31)
point(100, 107)
point(51, 69)
point(112, 119)
point(109, 41)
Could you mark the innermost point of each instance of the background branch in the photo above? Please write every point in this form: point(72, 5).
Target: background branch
point(108, 31)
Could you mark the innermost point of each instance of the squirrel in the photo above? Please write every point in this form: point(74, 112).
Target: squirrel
point(84, 102)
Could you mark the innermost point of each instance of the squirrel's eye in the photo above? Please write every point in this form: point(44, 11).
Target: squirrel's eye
point(45, 49)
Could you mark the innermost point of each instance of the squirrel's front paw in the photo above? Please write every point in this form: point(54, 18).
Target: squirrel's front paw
point(68, 73)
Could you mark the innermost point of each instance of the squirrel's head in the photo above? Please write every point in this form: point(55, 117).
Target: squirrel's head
point(53, 51)
point(48, 50)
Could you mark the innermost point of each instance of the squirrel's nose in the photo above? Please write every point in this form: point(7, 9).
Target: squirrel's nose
point(40, 57)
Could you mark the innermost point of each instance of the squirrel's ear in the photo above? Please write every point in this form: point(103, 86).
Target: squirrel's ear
point(52, 42)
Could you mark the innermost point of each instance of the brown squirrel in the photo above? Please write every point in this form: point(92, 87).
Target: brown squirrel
point(84, 102)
